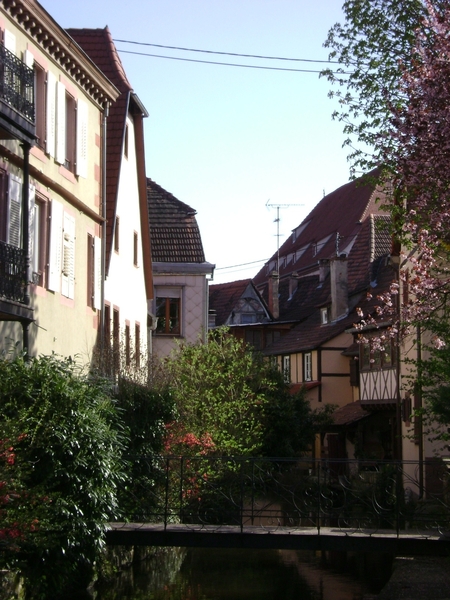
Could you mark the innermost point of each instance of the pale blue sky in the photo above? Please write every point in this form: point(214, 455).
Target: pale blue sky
point(226, 140)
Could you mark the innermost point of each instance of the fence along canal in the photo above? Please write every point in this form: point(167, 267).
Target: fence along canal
point(302, 503)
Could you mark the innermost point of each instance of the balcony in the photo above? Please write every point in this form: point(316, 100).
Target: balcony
point(13, 283)
point(17, 104)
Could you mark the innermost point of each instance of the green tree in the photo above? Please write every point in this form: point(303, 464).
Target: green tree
point(394, 102)
point(373, 46)
point(67, 441)
point(231, 401)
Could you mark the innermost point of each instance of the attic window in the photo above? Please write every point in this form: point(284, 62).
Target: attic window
point(324, 315)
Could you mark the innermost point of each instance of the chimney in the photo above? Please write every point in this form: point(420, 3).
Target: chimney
point(274, 306)
point(293, 283)
point(339, 287)
point(324, 269)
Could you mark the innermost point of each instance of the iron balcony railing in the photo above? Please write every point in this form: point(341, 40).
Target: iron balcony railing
point(13, 273)
point(298, 494)
point(17, 84)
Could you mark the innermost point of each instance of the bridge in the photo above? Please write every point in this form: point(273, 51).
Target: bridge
point(295, 503)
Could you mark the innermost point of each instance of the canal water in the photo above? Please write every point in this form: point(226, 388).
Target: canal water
point(218, 574)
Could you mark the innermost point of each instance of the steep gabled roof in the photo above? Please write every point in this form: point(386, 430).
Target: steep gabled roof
point(224, 297)
point(334, 225)
point(174, 233)
point(99, 47)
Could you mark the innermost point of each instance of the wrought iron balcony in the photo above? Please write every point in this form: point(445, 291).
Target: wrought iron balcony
point(13, 273)
point(17, 97)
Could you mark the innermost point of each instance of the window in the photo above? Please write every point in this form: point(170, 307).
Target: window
point(254, 337)
point(38, 238)
point(137, 344)
point(3, 205)
point(61, 272)
point(286, 365)
point(135, 249)
point(107, 324)
point(377, 359)
point(127, 344)
point(116, 338)
point(116, 234)
point(71, 133)
point(307, 366)
point(40, 105)
point(168, 315)
point(324, 315)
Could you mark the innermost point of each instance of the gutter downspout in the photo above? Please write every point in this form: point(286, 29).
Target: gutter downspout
point(26, 239)
point(103, 258)
point(419, 406)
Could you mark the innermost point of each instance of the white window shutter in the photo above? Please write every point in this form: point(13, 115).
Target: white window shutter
point(97, 272)
point(31, 221)
point(82, 138)
point(68, 261)
point(10, 41)
point(14, 217)
point(50, 142)
point(60, 155)
point(28, 59)
point(55, 258)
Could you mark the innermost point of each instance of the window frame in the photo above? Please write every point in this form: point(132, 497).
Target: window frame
point(286, 367)
point(371, 360)
point(165, 318)
point(307, 366)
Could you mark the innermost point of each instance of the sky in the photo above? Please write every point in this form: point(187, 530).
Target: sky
point(231, 142)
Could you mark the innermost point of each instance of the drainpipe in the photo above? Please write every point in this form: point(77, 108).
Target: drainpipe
point(418, 395)
point(26, 237)
point(104, 224)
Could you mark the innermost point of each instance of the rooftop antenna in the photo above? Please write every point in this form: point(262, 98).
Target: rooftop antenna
point(277, 221)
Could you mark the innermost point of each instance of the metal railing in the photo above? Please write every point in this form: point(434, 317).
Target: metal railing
point(352, 496)
point(17, 84)
point(13, 272)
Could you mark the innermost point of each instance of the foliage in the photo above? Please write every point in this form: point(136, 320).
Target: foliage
point(144, 412)
point(399, 51)
point(373, 46)
point(231, 401)
point(67, 447)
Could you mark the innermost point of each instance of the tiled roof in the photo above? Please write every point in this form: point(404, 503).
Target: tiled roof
point(99, 46)
point(310, 334)
point(174, 233)
point(350, 413)
point(223, 297)
point(335, 223)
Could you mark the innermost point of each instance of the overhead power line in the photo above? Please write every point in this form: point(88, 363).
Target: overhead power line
point(311, 60)
point(211, 62)
point(227, 64)
point(255, 262)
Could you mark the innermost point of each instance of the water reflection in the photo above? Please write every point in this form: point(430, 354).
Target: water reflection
point(218, 574)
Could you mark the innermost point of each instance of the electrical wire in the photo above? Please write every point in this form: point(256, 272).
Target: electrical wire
point(255, 262)
point(228, 53)
point(227, 64)
point(210, 62)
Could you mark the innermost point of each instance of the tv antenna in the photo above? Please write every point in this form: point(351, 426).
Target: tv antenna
point(277, 221)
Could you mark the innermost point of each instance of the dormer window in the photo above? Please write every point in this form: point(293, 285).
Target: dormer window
point(324, 318)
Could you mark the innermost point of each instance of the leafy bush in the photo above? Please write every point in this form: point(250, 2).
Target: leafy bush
point(67, 442)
